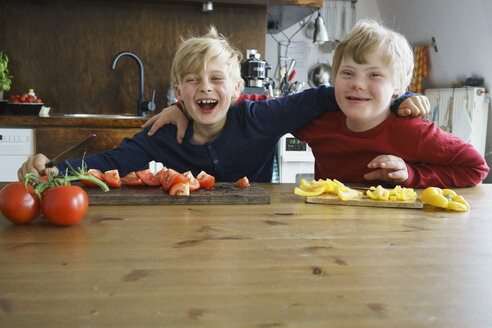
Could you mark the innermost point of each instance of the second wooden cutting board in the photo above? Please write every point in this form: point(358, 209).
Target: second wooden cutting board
point(363, 201)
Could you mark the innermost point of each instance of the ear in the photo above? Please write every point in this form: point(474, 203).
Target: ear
point(395, 93)
point(177, 93)
point(237, 90)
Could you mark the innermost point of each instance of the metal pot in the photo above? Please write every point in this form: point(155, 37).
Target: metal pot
point(319, 74)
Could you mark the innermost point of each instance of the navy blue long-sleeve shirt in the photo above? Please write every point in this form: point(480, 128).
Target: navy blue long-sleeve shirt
point(245, 147)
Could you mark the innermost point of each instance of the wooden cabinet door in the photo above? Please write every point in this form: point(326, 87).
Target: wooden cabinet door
point(51, 141)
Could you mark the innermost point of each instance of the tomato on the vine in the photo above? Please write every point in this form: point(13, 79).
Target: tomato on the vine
point(95, 173)
point(19, 205)
point(65, 205)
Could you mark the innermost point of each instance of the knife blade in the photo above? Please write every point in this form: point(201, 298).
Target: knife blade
point(69, 151)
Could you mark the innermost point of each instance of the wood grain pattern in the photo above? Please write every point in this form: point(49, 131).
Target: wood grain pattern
point(362, 201)
point(59, 121)
point(222, 193)
point(64, 49)
point(310, 3)
point(284, 264)
point(51, 141)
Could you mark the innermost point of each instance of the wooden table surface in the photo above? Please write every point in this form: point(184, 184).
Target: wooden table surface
point(287, 264)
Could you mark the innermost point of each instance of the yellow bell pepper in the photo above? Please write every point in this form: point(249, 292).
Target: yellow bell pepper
point(348, 194)
point(343, 192)
point(318, 187)
point(444, 198)
point(378, 193)
point(311, 189)
point(396, 194)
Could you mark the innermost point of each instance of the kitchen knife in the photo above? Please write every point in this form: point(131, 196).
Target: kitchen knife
point(68, 152)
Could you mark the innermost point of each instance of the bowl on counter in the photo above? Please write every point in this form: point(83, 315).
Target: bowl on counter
point(24, 109)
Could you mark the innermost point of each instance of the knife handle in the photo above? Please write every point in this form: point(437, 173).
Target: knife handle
point(50, 164)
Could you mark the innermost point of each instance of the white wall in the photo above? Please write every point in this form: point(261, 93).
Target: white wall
point(463, 31)
point(316, 53)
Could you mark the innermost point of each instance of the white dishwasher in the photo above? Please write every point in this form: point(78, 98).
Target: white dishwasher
point(16, 145)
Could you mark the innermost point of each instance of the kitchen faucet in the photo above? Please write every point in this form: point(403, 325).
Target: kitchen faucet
point(142, 105)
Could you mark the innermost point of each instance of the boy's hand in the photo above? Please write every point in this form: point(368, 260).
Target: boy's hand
point(415, 106)
point(36, 164)
point(388, 168)
point(168, 115)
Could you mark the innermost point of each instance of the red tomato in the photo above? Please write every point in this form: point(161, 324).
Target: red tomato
point(194, 184)
point(180, 189)
point(95, 173)
point(171, 178)
point(148, 178)
point(160, 175)
point(23, 99)
point(112, 178)
point(131, 179)
point(206, 180)
point(19, 205)
point(65, 205)
point(243, 182)
point(38, 101)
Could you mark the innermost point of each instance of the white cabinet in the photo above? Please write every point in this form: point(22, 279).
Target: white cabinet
point(16, 145)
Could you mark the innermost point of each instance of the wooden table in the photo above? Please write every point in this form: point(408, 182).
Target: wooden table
point(288, 264)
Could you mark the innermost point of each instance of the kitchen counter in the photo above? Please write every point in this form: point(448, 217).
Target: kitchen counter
point(285, 264)
point(59, 132)
point(105, 121)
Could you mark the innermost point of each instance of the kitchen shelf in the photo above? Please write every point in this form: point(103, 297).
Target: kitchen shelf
point(281, 14)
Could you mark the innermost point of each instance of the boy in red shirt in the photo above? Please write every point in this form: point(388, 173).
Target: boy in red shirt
point(365, 141)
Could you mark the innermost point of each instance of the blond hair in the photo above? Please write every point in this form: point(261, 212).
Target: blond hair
point(368, 36)
point(194, 53)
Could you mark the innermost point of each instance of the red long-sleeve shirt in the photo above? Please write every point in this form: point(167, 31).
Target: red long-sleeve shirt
point(433, 157)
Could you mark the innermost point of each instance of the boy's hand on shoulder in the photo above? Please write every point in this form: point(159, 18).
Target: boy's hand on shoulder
point(387, 168)
point(171, 114)
point(415, 106)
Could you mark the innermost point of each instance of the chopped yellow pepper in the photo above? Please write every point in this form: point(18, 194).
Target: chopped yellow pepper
point(396, 194)
point(318, 187)
point(444, 198)
point(348, 194)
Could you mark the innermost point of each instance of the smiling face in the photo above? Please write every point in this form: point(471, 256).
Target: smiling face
point(364, 91)
point(207, 96)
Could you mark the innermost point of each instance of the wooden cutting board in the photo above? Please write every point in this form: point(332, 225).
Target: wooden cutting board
point(363, 201)
point(220, 193)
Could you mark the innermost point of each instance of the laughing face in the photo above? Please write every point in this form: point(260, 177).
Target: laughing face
point(207, 96)
point(364, 91)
